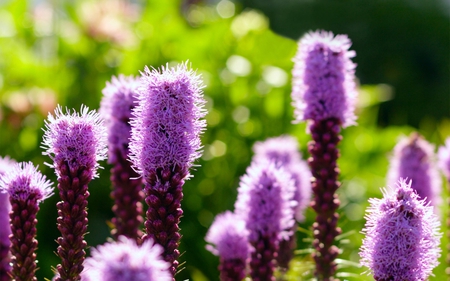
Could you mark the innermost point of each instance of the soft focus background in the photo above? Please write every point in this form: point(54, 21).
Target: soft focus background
point(63, 52)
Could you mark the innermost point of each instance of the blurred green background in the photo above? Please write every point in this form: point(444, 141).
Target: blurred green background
point(63, 52)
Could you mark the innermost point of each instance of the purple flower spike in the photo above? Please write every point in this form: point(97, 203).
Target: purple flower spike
point(414, 159)
point(324, 93)
point(125, 260)
point(118, 101)
point(284, 152)
point(26, 188)
point(229, 236)
point(402, 236)
point(265, 203)
point(75, 142)
point(6, 164)
point(323, 78)
point(165, 141)
point(444, 165)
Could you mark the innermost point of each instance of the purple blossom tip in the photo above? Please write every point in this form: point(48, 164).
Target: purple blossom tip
point(24, 181)
point(229, 236)
point(79, 139)
point(119, 98)
point(323, 78)
point(402, 236)
point(125, 260)
point(444, 158)
point(413, 158)
point(283, 150)
point(265, 201)
point(168, 120)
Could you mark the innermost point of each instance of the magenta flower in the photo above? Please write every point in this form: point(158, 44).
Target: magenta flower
point(265, 203)
point(284, 152)
point(402, 236)
point(444, 158)
point(229, 236)
point(6, 164)
point(324, 93)
point(75, 142)
point(165, 141)
point(323, 84)
point(118, 101)
point(413, 158)
point(444, 165)
point(125, 260)
point(26, 188)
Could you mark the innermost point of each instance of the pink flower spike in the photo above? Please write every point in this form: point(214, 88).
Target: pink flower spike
point(402, 236)
point(323, 84)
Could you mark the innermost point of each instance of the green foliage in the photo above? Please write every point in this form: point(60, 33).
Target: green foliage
point(64, 52)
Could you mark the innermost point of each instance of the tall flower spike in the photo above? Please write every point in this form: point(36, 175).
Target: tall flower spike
point(229, 236)
point(75, 142)
point(413, 158)
point(125, 260)
point(6, 164)
point(26, 188)
point(118, 101)
point(444, 165)
point(402, 238)
point(265, 203)
point(324, 93)
point(284, 152)
point(165, 141)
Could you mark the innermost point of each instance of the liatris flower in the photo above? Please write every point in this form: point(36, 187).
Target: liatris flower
point(75, 142)
point(414, 158)
point(402, 239)
point(165, 141)
point(444, 165)
point(125, 260)
point(265, 203)
point(284, 152)
point(6, 164)
point(26, 188)
point(229, 236)
point(118, 101)
point(324, 94)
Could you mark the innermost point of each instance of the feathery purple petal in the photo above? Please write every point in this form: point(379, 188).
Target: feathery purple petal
point(444, 158)
point(23, 181)
point(168, 120)
point(323, 78)
point(125, 260)
point(284, 151)
point(78, 139)
point(228, 237)
point(402, 236)
point(413, 158)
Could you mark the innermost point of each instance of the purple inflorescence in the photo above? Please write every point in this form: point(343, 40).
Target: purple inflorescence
point(413, 158)
point(119, 98)
point(229, 237)
point(125, 260)
point(165, 141)
point(75, 142)
point(284, 152)
point(23, 181)
point(78, 139)
point(444, 158)
point(323, 78)
point(168, 120)
point(26, 187)
point(6, 165)
point(402, 236)
point(266, 205)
